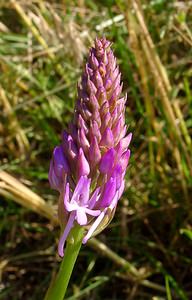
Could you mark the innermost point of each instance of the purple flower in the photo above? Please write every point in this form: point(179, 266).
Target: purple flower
point(89, 166)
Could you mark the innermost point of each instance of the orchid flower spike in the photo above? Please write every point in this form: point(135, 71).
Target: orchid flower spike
point(88, 167)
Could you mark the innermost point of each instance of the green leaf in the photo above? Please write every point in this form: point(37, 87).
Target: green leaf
point(186, 232)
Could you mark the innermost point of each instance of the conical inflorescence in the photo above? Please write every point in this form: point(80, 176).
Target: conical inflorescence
point(89, 166)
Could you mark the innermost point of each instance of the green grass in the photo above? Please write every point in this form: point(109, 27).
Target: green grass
point(43, 45)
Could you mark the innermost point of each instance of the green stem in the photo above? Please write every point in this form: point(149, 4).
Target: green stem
point(58, 288)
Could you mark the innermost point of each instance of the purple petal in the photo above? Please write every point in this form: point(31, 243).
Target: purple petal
point(114, 201)
point(94, 130)
point(54, 181)
point(125, 159)
point(112, 61)
point(82, 139)
point(106, 121)
point(93, 213)
point(120, 106)
point(101, 95)
point(117, 175)
point(93, 101)
point(123, 132)
point(121, 189)
point(81, 124)
point(59, 161)
point(115, 95)
point(98, 79)
point(82, 164)
point(107, 161)
point(66, 197)
point(69, 206)
point(94, 226)
point(81, 217)
point(88, 71)
point(102, 69)
point(96, 116)
point(116, 72)
point(65, 234)
point(104, 108)
point(98, 43)
point(93, 62)
point(126, 141)
point(94, 152)
point(94, 198)
point(105, 58)
point(108, 84)
point(106, 43)
point(68, 145)
point(91, 87)
point(107, 139)
point(81, 192)
point(117, 129)
point(108, 193)
point(114, 114)
point(117, 81)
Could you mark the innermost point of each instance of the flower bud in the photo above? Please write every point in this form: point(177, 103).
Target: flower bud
point(88, 168)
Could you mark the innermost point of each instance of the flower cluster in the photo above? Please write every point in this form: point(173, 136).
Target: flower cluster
point(89, 166)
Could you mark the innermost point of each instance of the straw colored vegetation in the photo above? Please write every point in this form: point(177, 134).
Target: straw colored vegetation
point(146, 251)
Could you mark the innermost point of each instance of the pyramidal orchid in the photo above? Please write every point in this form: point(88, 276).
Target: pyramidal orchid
point(88, 167)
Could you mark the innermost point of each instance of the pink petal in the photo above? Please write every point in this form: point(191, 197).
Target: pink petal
point(107, 139)
point(65, 234)
point(67, 204)
point(81, 192)
point(94, 226)
point(92, 212)
point(107, 161)
point(82, 164)
point(94, 198)
point(81, 217)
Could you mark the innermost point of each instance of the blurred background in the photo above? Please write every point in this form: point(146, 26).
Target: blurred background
point(145, 253)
